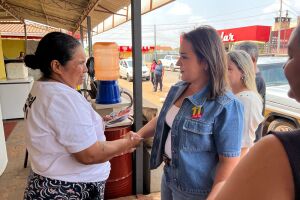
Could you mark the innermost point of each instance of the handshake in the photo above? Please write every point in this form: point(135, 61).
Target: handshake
point(133, 140)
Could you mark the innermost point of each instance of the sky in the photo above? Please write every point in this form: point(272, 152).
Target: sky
point(181, 16)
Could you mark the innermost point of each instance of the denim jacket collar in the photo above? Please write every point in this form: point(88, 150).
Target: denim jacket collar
point(198, 98)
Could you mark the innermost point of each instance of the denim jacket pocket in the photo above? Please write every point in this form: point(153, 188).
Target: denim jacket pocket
point(198, 135)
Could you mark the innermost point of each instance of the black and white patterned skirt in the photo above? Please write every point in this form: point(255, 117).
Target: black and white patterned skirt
point(39, 187)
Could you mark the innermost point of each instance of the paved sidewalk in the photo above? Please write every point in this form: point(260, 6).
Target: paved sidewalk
point(152, 196)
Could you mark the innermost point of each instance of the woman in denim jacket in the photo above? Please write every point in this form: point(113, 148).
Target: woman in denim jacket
point(199, 129)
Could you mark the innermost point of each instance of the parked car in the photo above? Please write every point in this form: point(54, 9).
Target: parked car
point(127, 72)
point(169, 62)
point(282, 113)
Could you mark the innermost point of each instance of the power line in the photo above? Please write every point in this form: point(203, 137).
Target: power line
point(291, 7)
point(215, 16)
point(220, 21)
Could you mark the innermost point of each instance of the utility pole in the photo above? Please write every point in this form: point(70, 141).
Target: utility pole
point(155, 54)
point(279, 28)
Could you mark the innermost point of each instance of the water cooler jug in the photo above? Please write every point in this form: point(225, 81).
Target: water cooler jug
point(106, 63)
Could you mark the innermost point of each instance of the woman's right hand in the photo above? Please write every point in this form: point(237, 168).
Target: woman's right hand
point(133, 140)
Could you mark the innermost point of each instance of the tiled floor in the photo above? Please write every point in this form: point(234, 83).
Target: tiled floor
point(9, 126)
point(13, 180)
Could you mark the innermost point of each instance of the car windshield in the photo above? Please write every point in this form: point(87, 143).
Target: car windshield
point(269, 60)
point(273, 73)
point(129, 62)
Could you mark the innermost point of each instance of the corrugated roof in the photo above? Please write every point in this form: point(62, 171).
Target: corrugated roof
point(70, 14)
point(33, 30)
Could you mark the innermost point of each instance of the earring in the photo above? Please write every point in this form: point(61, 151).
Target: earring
point(243, 77)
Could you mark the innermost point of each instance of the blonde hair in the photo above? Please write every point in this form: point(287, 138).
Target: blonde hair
point(244, 63)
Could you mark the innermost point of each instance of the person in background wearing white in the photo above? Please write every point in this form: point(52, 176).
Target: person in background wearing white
point(252, 49)
point(64, 135)
point(242, 81)
point(271, 169)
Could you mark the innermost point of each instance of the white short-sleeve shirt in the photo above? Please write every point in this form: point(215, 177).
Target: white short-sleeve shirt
point(171, 114)
point(59, 122)
point(252, 117)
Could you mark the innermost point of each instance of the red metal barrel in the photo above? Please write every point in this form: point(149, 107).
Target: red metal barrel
point(119, 182)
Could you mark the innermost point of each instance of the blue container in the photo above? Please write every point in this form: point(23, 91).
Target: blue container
point(108, 92)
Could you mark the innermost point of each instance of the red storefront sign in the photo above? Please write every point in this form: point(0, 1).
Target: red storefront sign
point(254, 33)
point(129, 48)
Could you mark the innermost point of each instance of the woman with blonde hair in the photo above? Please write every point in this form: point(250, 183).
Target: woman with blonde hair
point(242, 80)
point(271, 169)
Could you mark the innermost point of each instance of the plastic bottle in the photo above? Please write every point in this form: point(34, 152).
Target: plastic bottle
point(106, 57)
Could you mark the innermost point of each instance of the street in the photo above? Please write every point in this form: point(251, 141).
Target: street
point(150, 98)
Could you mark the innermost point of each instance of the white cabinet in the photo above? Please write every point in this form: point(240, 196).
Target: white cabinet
point(3, 153)
point(13, 94)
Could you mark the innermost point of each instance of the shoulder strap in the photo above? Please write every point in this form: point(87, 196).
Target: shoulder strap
point(291, 141)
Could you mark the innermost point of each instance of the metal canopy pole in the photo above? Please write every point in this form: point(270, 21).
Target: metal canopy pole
point(81, 36)
point(25, 33)
point(136, 27)
point(88, 19)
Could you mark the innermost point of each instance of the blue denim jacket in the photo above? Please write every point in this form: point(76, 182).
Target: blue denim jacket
point(197, 143)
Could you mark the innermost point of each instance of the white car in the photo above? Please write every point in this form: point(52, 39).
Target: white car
point(170, 62)
point(127, 72)
point(281, 113)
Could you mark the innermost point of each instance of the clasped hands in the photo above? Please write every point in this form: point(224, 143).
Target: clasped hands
point(133, 140)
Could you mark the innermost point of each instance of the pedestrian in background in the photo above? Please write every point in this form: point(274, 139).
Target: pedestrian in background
point(159, 74)
point(152, 69)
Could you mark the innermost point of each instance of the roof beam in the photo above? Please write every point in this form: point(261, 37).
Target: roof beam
point(8, 22)
point(68, 2)
point(66, 5)
point(43, 8)
point(91, 5)
point(10, 10)
point(7, 18)
point(105, 10)
point(40, 14)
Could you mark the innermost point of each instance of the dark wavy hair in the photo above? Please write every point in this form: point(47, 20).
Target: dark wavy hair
point(209, 47)
point(53, 46)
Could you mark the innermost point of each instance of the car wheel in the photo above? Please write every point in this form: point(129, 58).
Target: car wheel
point(281, 125)
point(172, 68)
point(128, 78)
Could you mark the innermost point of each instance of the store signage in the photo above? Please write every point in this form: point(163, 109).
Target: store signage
point(129, 48)
point(227, 37)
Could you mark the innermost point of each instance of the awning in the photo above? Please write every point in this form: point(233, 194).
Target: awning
point(16, 30)
point(70, 14)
